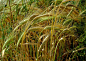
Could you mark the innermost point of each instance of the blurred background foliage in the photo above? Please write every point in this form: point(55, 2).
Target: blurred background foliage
point(42, 30)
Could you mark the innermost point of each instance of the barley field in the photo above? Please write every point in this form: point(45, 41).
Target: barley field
point(42, 30)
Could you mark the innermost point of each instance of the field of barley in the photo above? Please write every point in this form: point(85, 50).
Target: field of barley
point(42, 30)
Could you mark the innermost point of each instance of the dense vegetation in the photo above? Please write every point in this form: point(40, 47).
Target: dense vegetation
point(42, 30)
